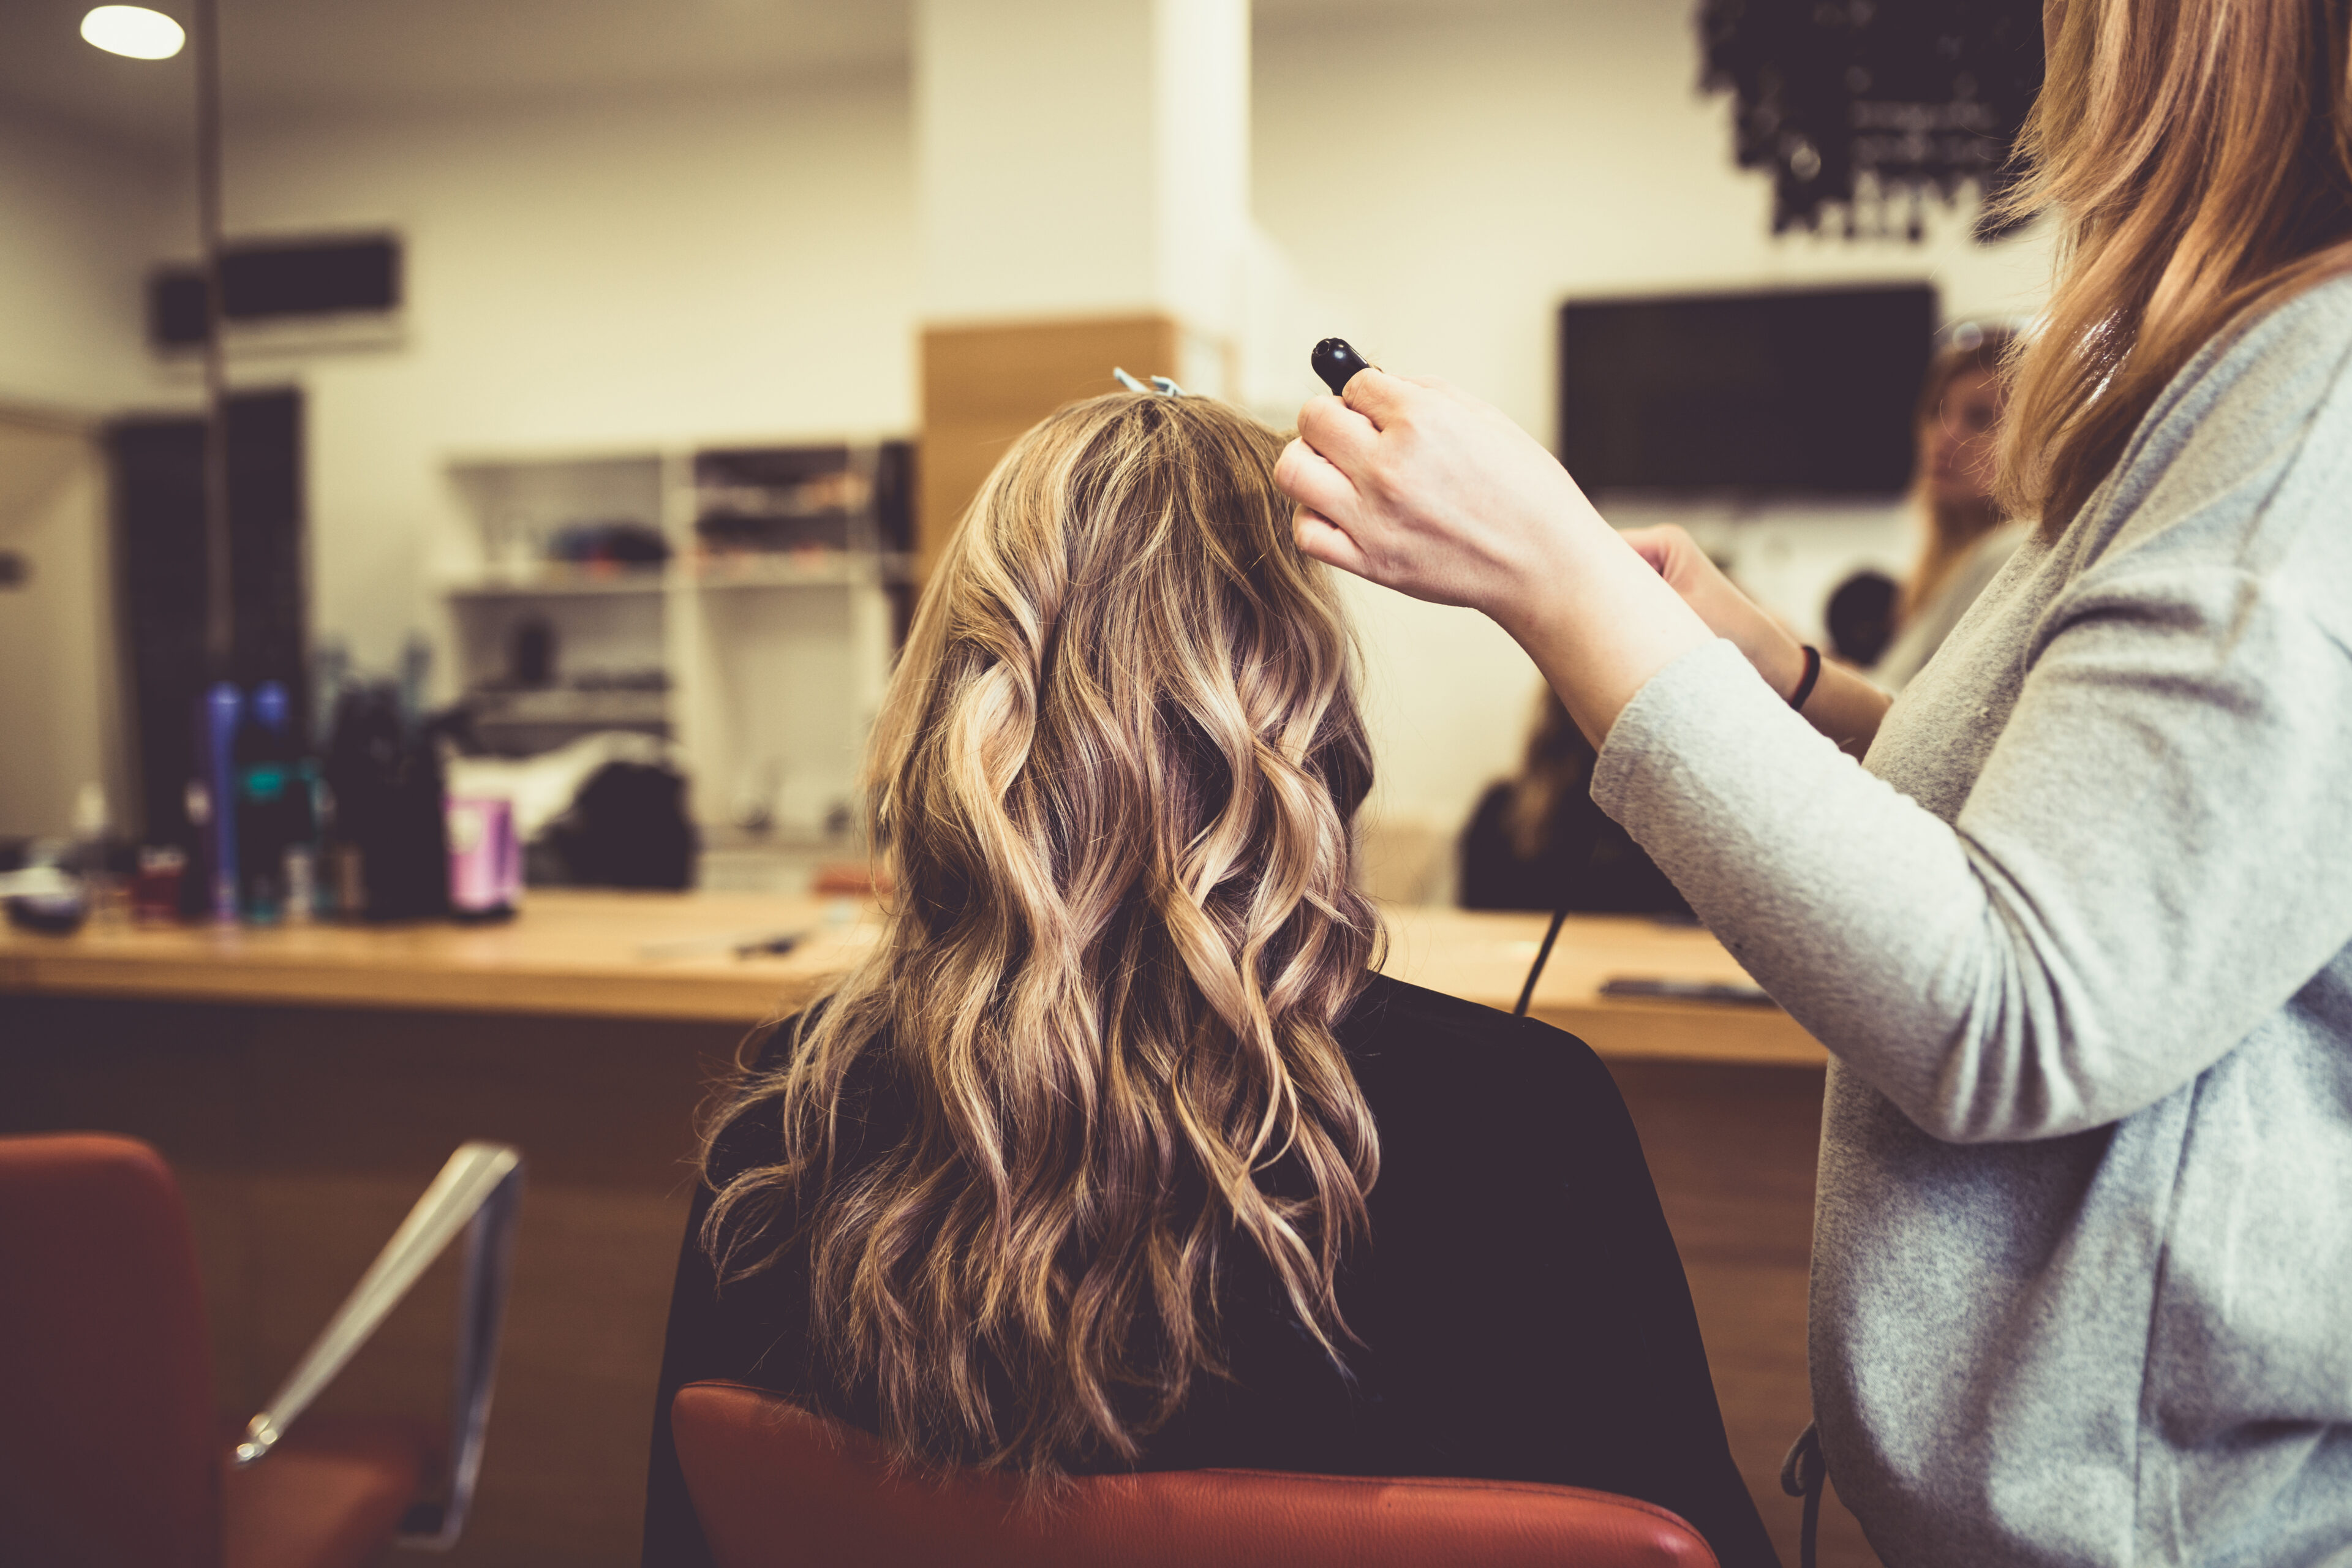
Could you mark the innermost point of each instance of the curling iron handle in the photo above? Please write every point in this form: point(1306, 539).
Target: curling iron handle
point(1335, 360)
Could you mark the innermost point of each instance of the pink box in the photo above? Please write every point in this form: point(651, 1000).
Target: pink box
point(485, 859)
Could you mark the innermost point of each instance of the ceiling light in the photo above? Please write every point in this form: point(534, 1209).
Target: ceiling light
point(134, 30)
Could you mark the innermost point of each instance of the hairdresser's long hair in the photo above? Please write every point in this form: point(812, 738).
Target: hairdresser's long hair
point(1115, 771)
point(2201, 152)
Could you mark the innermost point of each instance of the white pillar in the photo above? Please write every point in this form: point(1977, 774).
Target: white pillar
point(1083, 158)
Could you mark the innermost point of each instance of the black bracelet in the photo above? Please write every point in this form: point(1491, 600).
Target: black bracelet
point(1812, 674)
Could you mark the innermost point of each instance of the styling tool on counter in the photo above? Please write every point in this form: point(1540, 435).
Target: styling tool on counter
point(1728, 994)
point(772, 947)
point(742, 944)
point(1335, 360)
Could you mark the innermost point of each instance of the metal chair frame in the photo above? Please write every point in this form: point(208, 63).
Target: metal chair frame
point(480, 1191)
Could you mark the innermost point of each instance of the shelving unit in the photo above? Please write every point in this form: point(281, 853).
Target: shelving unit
point(559, 584)
point(759, 645)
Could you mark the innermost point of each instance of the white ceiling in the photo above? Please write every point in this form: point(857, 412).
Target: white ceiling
point(300, 58)
point(295, 59)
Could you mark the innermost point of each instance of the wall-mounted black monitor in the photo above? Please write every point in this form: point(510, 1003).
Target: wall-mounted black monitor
point(1786, 391)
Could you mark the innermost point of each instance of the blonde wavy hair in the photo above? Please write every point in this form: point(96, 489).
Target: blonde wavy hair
point(1115, 771)
point(2201, 152)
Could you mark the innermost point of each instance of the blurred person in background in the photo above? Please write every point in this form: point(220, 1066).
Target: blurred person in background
point(1859, 618)
point(1967, 539)
point(1537, 841)
point(1118, 1152)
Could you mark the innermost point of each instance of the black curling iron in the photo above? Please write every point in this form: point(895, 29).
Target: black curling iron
point(1336, 360)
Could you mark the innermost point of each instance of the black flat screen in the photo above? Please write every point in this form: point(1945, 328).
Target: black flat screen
point(1795, 392)
point(263, 282)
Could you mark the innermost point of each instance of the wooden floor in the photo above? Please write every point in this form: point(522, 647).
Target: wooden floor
point(302, 1134)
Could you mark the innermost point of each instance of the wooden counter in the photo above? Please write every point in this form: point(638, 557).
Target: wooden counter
point(622, 955)
point(1484, 958)
point(306, 1084)
point(670, 956)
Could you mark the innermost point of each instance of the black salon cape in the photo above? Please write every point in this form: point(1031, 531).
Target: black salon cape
point(1522, 1309)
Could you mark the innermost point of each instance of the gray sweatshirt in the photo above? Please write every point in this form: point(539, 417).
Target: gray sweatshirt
point(2075, 934)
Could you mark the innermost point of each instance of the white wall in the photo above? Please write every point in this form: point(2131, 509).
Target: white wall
point(78, 231)
point(1452, 179)
point(736, 265)
point(58, 706)
point(76, 234)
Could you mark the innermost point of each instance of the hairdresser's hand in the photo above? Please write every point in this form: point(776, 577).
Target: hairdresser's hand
point(1843, 705)
point(1770, 646)
point(1424, 488)
point(1421, 488)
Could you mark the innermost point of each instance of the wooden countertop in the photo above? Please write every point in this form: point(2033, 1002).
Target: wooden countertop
point(666, 955)
point(1484, 958)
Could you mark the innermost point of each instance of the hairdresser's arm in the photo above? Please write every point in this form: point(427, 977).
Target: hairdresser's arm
point(2142, 873)
point(1843, 705)
point(1415, 485)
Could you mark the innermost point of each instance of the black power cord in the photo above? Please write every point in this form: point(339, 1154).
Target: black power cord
point(1535, 970)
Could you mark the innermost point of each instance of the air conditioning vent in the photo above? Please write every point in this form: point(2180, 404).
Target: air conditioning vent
point(290, 294)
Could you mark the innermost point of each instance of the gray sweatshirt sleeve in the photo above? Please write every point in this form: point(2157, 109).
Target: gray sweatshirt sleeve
point(2155, 852)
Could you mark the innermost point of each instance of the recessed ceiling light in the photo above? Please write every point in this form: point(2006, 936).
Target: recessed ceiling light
point(134, 30)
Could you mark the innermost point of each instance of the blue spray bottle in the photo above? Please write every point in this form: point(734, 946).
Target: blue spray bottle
point(217, 757)
point(268, 807)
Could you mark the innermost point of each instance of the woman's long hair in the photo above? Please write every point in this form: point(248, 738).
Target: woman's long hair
point(2200, 152)
point(1115, 771)
point(1953, 528)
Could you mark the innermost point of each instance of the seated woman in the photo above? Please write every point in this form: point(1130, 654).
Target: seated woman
point(1116, 1152)
point(1537, 841)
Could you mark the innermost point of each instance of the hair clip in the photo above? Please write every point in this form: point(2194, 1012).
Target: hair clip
point(1160, 384)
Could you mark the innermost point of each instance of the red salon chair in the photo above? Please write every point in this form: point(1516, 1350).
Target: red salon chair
point(110, 1453)
point(777, 1486)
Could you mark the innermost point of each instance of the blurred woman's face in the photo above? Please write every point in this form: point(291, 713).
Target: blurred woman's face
point(1956, 444)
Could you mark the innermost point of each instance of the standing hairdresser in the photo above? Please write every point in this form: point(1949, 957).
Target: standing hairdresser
point(2075, 928)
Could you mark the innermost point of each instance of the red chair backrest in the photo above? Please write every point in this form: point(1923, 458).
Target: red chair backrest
point(108, 1451)
point(775, 1485)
